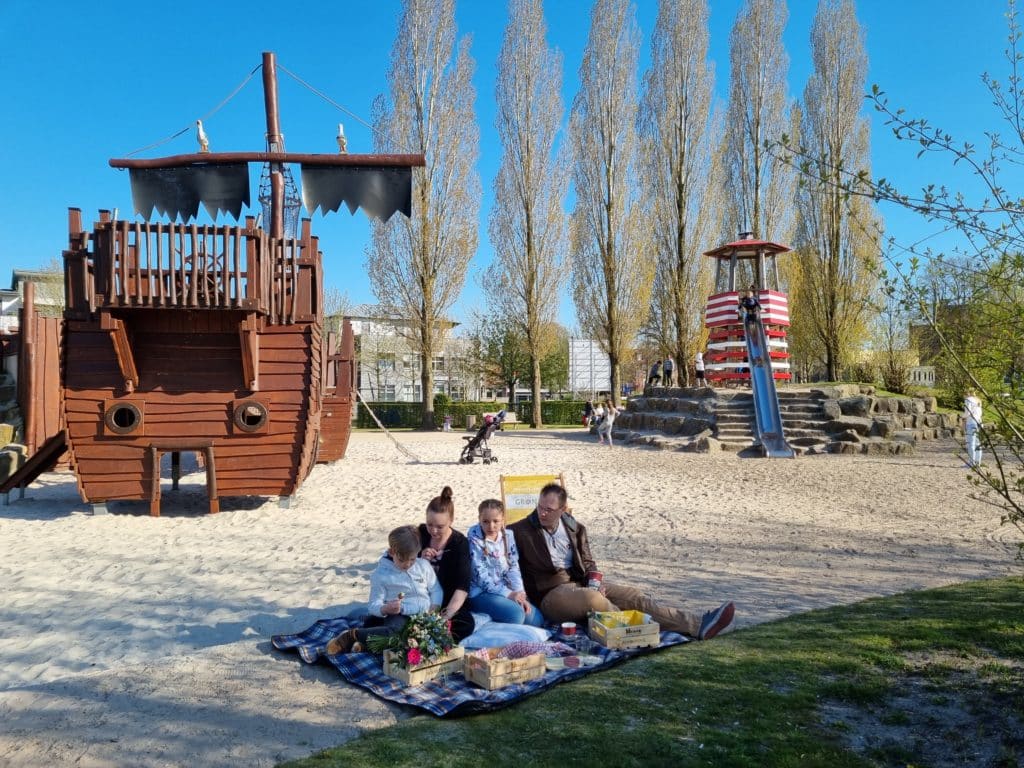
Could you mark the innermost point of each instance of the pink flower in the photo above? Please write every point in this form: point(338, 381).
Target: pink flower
point(413, 656)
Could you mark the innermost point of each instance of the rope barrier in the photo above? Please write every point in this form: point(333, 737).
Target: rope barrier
point(401, 448)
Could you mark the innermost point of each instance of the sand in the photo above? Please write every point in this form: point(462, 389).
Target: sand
point(131, 640)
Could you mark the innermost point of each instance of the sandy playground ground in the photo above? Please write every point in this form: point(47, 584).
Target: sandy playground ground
point(131, 640)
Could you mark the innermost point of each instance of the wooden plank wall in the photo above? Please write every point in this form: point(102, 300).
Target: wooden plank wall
point(285, 375)
point(39, 366)
point(49, 416)
point(190, 373)
point(336, 421)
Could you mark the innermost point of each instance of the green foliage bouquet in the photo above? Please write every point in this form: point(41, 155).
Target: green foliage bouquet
point(425, 637)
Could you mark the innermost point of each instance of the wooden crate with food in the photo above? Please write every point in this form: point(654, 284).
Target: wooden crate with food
point(486, 669)
point(624, 629)
point(449, 664)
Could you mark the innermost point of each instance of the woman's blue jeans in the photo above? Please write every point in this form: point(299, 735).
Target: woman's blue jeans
point(506, 611)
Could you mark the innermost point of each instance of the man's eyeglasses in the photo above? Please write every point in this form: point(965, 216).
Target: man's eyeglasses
point(549, 510)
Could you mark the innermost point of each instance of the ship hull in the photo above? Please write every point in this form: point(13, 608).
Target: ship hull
point(191, 396)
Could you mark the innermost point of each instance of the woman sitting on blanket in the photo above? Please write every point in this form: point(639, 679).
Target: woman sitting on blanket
point(447, 550)
point(497, 585)
point(401, 586)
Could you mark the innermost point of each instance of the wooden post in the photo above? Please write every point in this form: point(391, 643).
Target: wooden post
point(27, 364)
point(175, 469)
point(211, 481)
point(154, 487)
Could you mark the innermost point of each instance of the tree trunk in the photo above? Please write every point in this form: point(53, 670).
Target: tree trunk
point(616, 377)
point(427, 377)
point(535, 418)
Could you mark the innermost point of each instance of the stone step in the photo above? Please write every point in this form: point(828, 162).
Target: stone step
point(818, 424)
point(739, 426)
point(816, 434)
point(749, 408)
point(735, 437)
point(734, 418)
point(809, 409)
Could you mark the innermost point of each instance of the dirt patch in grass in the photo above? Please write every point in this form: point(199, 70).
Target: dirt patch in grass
point(946, 710)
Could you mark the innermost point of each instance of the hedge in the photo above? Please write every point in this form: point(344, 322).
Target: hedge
point(393, 414)
point(553, 412)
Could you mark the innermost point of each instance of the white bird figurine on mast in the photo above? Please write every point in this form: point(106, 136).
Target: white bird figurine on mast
point(342, 141)
point(204, 142)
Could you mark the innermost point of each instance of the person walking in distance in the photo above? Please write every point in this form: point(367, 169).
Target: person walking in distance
point(654, 376)
point(972, 425)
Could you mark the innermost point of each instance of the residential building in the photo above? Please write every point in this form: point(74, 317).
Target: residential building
point(388, 367)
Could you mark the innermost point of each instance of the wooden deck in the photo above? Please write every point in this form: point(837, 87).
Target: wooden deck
point(143, 265)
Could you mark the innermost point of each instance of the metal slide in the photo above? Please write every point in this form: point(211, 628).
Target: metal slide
point(766, 399)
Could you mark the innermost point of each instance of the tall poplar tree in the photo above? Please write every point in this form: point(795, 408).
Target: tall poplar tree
point(417, 266)
point(527, 225)
point(681, 184)
point(759, 184)
point(834, 241)
point(612, 267)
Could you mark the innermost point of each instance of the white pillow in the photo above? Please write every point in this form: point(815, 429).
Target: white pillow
point(495, 634)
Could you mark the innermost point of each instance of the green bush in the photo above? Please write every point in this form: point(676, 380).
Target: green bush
point(553, 412)
point(390, 414)
point(411, 414)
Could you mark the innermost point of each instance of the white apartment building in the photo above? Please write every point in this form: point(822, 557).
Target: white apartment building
point(388, 368)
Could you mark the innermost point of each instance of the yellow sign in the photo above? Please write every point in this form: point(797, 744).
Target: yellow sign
point(519, 493)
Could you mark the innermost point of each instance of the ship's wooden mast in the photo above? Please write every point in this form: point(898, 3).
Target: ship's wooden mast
point(275, 143)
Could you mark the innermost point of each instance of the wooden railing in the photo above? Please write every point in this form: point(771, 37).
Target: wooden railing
point(188, 266)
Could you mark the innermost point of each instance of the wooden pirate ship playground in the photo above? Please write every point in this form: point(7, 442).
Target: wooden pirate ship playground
point(181, 337)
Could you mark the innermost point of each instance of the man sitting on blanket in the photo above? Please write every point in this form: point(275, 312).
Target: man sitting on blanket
point(554, 557)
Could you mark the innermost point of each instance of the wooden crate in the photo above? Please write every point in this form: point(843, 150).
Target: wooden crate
point(491, 673)
point(624, 629)
point(422, 673)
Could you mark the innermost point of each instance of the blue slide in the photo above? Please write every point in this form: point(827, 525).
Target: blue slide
point(766, 399)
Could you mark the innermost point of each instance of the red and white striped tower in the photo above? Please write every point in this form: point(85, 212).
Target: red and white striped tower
point(745, 262)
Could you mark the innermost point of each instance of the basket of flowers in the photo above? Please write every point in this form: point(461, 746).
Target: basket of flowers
point(423, 650)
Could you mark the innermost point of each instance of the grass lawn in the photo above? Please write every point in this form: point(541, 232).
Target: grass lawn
point(933, 678)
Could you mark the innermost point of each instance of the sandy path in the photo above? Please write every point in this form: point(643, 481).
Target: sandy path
point(126, 639)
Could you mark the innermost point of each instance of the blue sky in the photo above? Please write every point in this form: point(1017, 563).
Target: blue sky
point(86, 82)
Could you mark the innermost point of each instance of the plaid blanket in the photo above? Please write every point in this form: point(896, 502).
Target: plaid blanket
point(452, 696)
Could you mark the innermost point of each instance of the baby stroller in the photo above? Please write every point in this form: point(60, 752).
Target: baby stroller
point(476, 446)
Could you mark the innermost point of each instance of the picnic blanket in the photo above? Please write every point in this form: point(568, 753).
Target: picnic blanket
point(452, 696)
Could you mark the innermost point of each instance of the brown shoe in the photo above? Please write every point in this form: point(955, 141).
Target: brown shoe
point(342, 643)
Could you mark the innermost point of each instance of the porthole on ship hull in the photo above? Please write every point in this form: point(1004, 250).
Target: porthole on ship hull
point(122, 418)
point(251, 416)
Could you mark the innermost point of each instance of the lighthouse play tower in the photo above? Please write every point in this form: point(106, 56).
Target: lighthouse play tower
point(738, 265)
point(750, 348)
